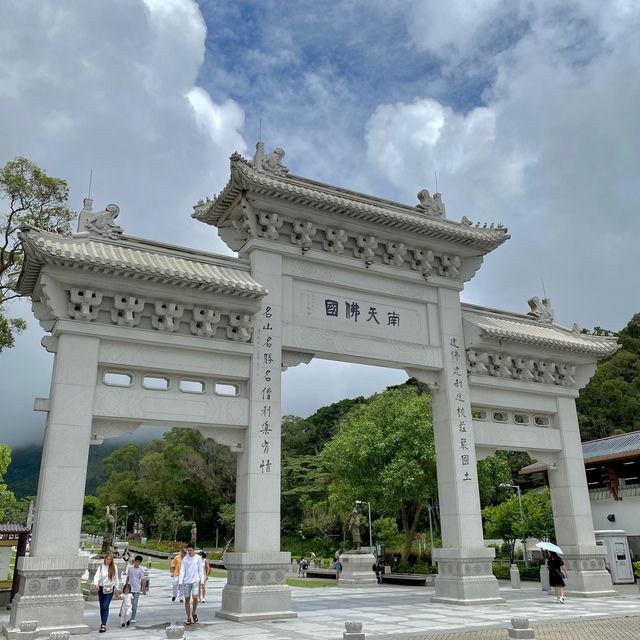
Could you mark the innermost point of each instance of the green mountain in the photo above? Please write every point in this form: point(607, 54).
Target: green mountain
point(24, 470)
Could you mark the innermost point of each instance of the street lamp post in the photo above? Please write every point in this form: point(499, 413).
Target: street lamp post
point(431, 532)
point(193, 511)
point(369, 506)
point(126, 522)
point(301, 532)
point(115, 523)
point(524, 540)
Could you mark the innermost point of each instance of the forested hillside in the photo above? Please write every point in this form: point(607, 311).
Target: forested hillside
point(23, 472)
point(610, 403)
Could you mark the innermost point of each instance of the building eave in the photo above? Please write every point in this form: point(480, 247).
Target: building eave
point(350, 204)
point(132, 258)
point(503, 326)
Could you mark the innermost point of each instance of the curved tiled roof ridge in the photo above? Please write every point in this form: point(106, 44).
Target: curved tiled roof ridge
point(359, 205)
point(622, 446)
point(139, 263)
point(520, 328)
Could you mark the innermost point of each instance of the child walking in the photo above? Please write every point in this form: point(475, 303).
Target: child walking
point(127, 606)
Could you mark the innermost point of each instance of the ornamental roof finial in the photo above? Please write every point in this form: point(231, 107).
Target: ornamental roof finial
point(270, 162)
point(431, 204)
point(541, 310)
point(101, 223)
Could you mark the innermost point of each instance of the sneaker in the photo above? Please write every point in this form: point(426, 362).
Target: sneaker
point(132, 621)
point(129, 622)
point(173, 599)
point(203, 600)
point(122, 625)
point(181, 599)
point(561, 600)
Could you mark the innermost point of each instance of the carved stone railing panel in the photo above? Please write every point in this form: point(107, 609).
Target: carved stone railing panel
point(500, 365)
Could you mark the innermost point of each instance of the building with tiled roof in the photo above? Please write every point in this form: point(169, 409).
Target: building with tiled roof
point(612, 466)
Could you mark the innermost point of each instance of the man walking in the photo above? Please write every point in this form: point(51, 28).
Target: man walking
point(191, 575)
point(175, 574)
point(135, 574)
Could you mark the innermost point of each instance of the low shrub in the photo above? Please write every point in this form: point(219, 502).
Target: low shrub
point(165, 546)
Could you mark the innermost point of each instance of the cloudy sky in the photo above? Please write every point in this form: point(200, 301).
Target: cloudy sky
point(527, 110)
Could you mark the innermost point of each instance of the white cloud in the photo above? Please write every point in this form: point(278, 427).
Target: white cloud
point(552, 153)
point(450, 29)
point(111, 86)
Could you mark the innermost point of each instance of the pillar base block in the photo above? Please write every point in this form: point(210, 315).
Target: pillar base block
point(49, 594)
point(256, 586)
point(588, 577)
point(357, 570)
point(465, 577)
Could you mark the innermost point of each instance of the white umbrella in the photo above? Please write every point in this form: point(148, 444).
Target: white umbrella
point(549, 546)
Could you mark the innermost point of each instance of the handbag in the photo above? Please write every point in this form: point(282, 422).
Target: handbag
point(107, 589)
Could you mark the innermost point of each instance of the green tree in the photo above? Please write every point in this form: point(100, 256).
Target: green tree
point(93, 517)
point(492, 472)
point(385, 530)
point(384, 453)
point(505, 520)
point(7, 499)
point(28, 197)
point(610, 402)
point(185, 472)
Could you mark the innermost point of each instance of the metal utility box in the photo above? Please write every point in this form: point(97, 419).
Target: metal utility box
point(618, 556)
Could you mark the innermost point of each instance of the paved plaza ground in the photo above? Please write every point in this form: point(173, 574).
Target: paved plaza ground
point(386, 611)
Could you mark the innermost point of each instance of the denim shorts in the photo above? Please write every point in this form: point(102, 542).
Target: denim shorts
point(191, 588)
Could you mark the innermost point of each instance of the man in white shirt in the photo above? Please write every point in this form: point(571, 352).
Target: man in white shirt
point(191, 575)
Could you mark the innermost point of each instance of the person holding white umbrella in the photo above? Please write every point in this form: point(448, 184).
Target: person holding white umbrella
point(557, 569)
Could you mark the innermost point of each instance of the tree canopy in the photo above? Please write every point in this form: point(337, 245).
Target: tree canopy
point(505, 520)
point(28, 197)
point(7, 499)
point(384, 453)
point(610, 403)
point(170, 482)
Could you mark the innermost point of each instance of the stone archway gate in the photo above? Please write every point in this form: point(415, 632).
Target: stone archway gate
point(149, 333)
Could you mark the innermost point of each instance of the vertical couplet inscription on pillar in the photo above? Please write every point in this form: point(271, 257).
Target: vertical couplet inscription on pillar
point(463, 443)
point(266, 362)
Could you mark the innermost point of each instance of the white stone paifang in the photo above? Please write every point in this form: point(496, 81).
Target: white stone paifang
point(191, 339)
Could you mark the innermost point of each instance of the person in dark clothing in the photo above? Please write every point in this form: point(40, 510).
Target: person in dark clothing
point(557, 574)
point(378, 567)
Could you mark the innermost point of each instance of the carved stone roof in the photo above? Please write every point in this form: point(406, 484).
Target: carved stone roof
point(138, 259)
point(351, 204)
point(523, 329)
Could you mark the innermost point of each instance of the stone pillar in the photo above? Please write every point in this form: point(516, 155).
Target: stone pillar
point(588, 576)
point(49, 591)
point(464, 562)
point(256, 580)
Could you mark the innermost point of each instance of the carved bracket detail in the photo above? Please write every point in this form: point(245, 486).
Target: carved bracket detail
point(84, 304)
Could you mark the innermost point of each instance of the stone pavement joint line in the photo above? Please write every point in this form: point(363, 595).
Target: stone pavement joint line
point(387, 612)
point(627, 628)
